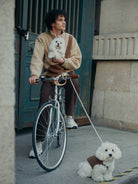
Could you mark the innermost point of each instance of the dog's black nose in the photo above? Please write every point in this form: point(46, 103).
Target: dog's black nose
point(110, 155)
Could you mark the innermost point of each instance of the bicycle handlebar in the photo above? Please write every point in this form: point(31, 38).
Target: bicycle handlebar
point(59, 78)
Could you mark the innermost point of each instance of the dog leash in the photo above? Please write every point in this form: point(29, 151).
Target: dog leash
point(86, 113)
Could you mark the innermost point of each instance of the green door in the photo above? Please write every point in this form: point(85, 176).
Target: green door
point(30, 14)
point(27, 97)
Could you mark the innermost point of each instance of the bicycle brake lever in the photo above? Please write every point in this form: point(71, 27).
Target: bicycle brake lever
point(42, 77)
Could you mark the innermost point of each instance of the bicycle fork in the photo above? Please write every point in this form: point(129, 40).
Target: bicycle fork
point(56, 105)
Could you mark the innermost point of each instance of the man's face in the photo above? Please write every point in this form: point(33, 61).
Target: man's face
point(60, 24)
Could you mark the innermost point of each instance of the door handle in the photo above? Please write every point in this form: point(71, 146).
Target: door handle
point(23, 32)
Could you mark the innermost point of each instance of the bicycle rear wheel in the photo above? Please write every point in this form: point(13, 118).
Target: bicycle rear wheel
point(51, 137)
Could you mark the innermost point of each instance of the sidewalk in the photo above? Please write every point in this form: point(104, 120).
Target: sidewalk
point(82, 143)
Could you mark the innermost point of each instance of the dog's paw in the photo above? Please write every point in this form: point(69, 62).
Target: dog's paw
point(98, 178)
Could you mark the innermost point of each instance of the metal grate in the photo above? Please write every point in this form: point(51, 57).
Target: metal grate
point(37, 10)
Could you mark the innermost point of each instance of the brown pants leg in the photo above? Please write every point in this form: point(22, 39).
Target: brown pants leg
point(47, 92)
point(70, 96)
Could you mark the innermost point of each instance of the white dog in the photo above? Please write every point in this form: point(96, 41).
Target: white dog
point(57, 48)
point(101, 166)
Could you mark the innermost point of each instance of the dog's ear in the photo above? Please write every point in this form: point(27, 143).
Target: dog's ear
point(118, 153)
point(99, 153)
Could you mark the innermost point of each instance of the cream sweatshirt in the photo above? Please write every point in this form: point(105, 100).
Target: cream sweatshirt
point(40, 58)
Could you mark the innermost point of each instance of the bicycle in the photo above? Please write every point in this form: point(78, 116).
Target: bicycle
point(50, 127)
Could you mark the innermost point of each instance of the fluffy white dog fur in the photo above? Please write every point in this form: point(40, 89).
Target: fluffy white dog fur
point(107, 153)
point(57, 48)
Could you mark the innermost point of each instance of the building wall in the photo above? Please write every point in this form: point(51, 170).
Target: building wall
point(7, 94)
point(118, 16)
point(115, 99)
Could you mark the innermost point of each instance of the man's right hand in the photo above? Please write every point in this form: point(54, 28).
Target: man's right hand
point(32, 79)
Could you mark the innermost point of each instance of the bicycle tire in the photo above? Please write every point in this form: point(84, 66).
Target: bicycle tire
point(53, 144)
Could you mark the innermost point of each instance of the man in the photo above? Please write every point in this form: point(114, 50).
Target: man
point(56, 24)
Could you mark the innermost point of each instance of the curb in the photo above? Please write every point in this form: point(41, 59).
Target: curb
point(128, 177)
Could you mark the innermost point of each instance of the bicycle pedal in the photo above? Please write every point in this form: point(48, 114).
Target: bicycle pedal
point(68, 128)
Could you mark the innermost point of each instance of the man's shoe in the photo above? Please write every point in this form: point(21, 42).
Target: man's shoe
point(71, 124)
point(39, 150)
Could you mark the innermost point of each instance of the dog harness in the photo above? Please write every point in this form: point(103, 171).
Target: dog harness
point(93, 160)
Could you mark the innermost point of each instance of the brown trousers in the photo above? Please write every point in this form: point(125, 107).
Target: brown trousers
point(47, 90)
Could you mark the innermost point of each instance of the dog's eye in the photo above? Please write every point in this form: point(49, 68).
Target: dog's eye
point(56, 41)
point(112, 150)
point(106, 150)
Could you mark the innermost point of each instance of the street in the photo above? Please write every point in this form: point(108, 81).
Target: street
point(82, 143)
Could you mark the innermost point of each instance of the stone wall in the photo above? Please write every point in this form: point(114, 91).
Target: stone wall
point(7, 92)
point(118, 16)
point(115, 98)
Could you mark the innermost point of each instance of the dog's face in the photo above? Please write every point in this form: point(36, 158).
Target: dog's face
point(58, 43)
point(108, 152)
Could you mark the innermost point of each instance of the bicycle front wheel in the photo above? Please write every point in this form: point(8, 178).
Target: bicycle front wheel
point(49, 133)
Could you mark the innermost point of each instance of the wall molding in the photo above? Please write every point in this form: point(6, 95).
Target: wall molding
point(115, 47)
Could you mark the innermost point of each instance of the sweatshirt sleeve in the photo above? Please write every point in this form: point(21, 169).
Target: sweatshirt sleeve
point(74, 61)
point(37, 58)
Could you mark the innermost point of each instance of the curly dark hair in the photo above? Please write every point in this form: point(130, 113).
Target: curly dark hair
point(52, 15)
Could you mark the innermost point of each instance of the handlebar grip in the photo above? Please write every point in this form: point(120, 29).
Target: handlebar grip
point(73, 76)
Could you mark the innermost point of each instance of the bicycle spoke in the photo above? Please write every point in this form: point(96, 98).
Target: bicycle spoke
point(41, 125)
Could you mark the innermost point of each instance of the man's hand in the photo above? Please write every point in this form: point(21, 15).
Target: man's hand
point(60, 61)
point(32, 79)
